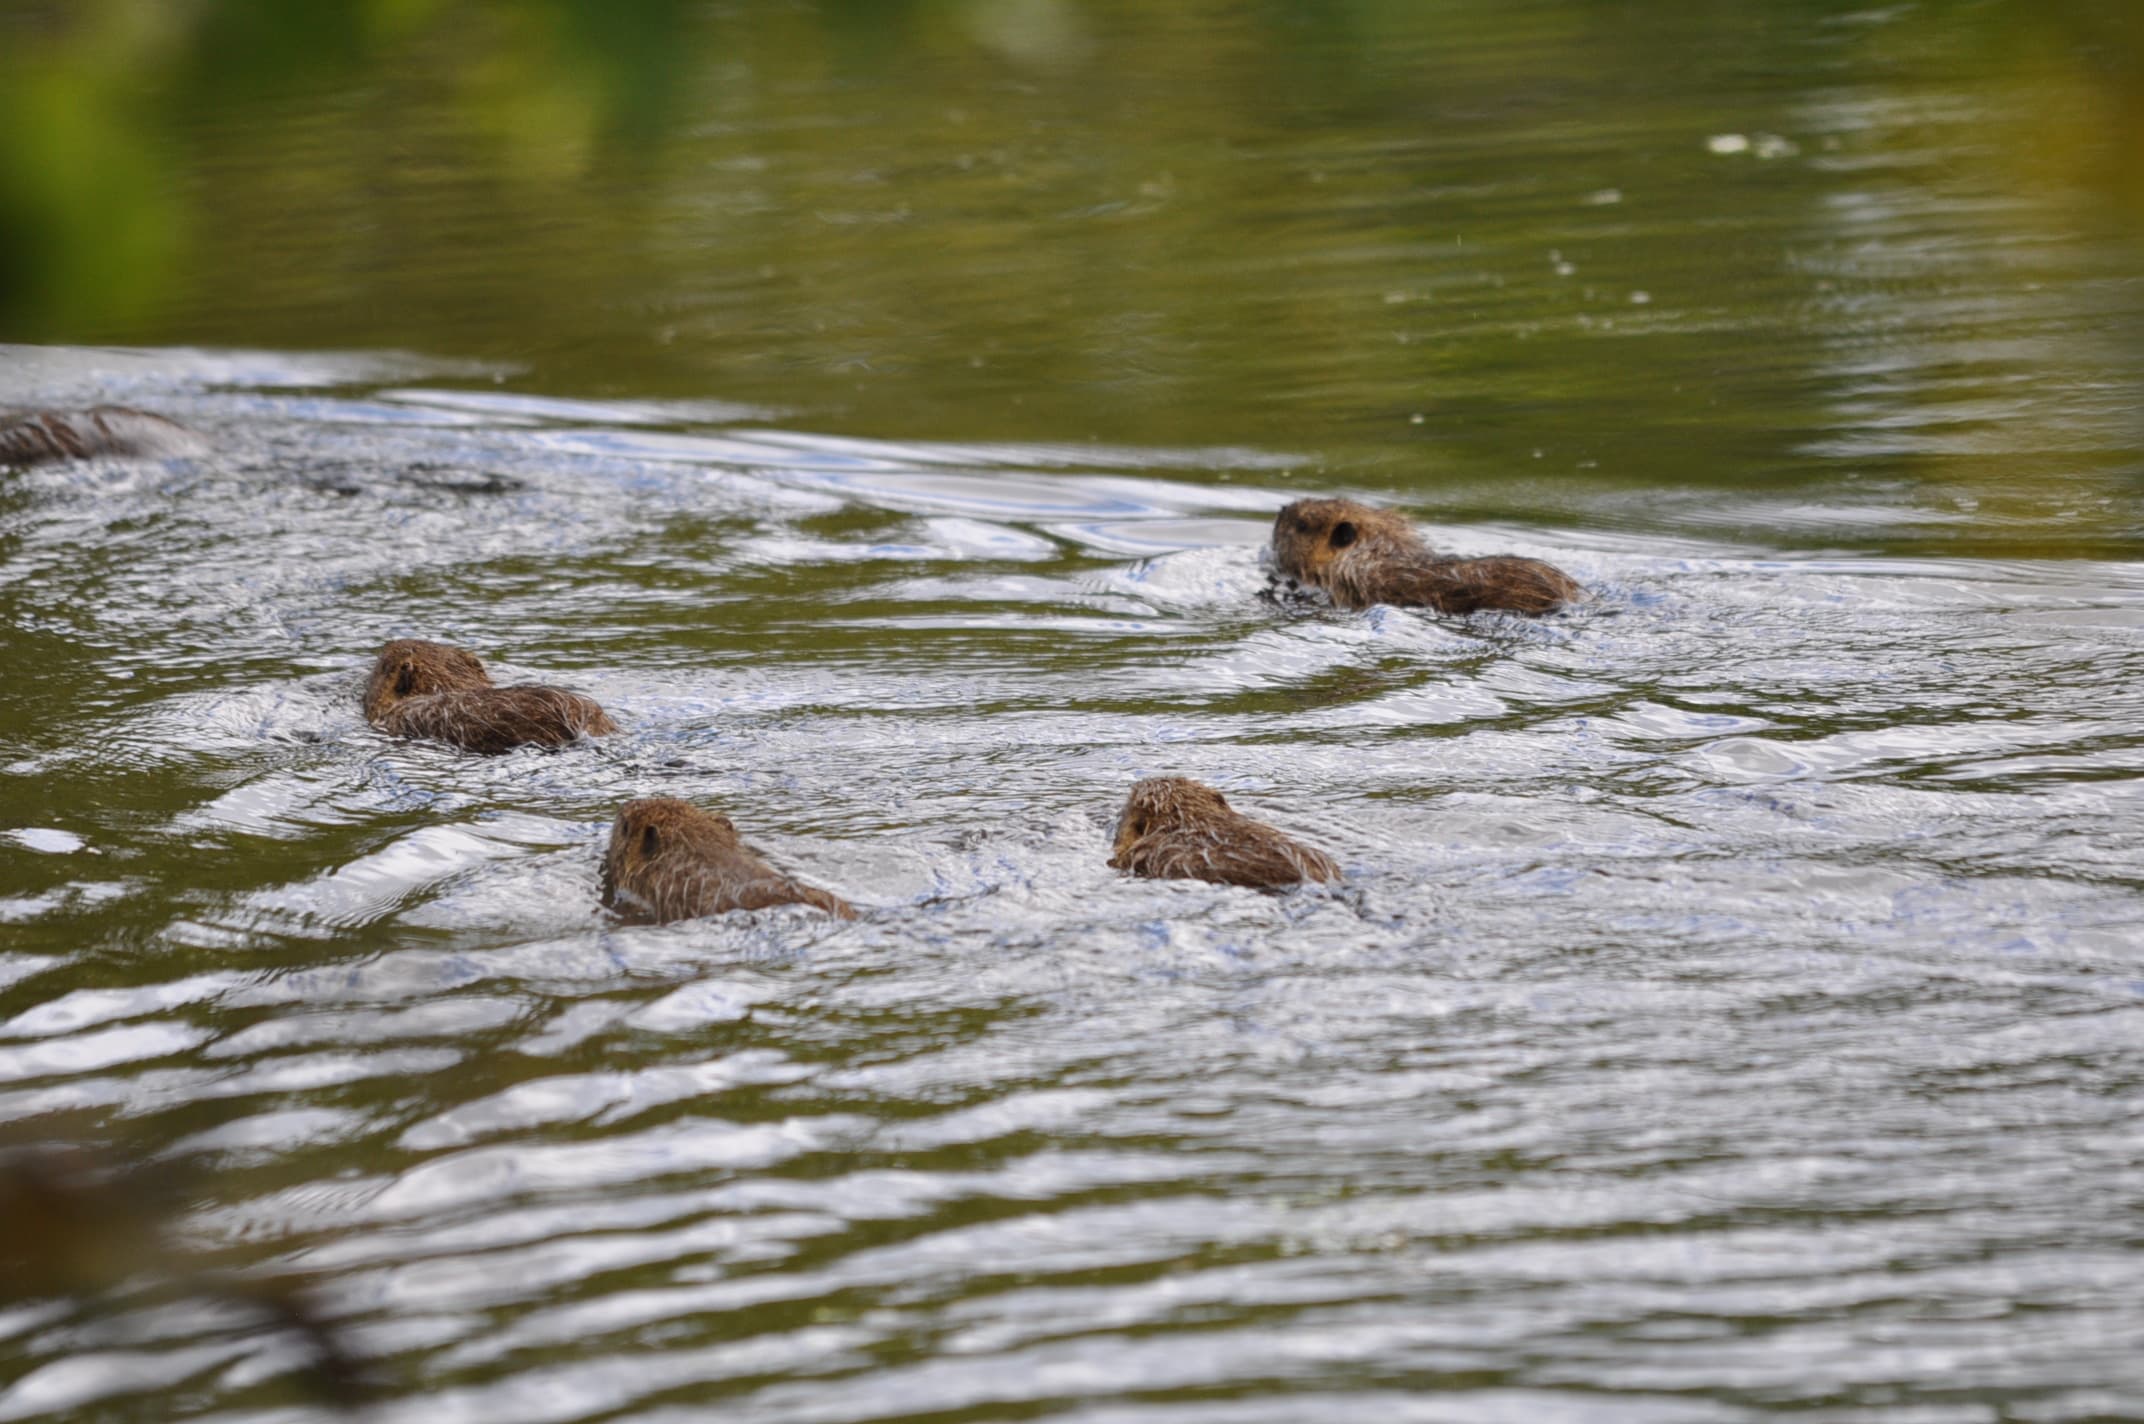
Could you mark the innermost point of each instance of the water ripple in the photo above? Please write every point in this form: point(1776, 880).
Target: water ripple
point(1729, 1004)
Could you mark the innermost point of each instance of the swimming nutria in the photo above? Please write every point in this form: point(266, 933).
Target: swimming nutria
point(431, 690)
point(670, 860)
point(1362, 556)
point(113, 431)
point(1174, 828)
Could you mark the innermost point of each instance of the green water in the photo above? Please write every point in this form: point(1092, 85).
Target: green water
point(1732, 1006)
point(1487, 252)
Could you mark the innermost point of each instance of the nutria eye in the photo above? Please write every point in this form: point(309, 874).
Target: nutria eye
point(1343, 534)
point(648, 841)
point(406, 680)
point(1302, 526)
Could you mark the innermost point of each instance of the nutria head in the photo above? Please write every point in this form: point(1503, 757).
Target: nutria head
point(1174, 828)
point(414, 667)
point(650, 832)
point(1310, 533)
point(670, 860)
point(1166, 803)
point(654, 825)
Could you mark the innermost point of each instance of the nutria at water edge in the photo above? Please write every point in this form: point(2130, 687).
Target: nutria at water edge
point(105, 431)
point(443, 694)
point(1361, 555)
point(670, 860)
point(1174, 828)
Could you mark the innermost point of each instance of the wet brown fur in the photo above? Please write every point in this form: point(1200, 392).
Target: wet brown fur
point(670, 860)
point(1362, 556)
point(105, 431)
point(442, 693)
point(1174, 828)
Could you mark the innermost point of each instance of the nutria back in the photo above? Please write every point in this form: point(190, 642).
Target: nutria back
point(1362, 555)
point(670, 860)
point(1174, 828)
point(492, 720)
point(442, 693)
point(105, 431)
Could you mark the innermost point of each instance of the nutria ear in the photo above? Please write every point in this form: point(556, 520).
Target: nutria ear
point(1344, 533)
point(406, 680)
point(648, 841)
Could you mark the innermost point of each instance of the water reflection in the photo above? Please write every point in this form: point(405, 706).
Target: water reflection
point(1532, 262)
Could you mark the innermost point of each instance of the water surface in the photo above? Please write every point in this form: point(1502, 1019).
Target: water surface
point(1732, 1005)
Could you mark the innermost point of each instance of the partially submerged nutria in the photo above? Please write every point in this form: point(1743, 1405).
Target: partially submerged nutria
point(431, 690)
point(670, 860)
point(105, 431)
point(1361, 556)
point(1174, 828)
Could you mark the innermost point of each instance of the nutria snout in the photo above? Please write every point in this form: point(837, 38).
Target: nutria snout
point(1361, 555)
point(1174, 828)
point(670, 860)
point(442, 693)
point(105, 431)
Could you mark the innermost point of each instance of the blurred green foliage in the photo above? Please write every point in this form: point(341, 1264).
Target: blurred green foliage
point(104, 104)
point(108, 108)
point(1276, 220)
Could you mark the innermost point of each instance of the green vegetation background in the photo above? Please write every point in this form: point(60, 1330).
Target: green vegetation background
point(1003, 218)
